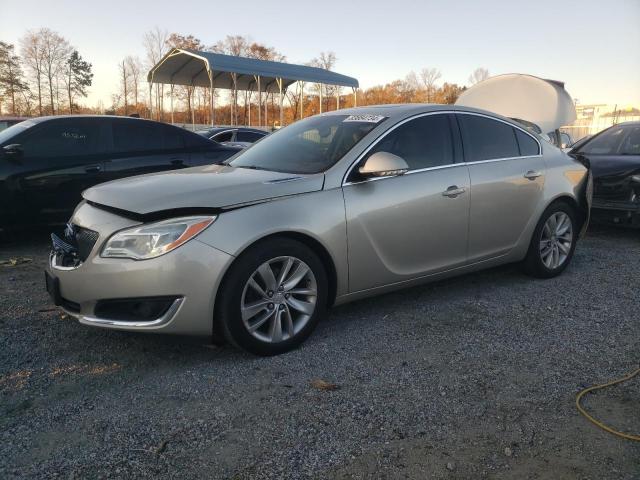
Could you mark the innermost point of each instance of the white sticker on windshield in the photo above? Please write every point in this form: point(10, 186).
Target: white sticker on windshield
point(364, 118)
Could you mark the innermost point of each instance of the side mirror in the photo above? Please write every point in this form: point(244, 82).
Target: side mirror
point(383, 164)
point(13, 151)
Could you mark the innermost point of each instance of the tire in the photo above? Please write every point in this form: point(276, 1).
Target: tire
point(297, 307)
point(542, 263)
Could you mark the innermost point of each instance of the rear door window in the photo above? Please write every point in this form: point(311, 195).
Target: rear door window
point(487, 139)
point(137, 136)
point(173, 139)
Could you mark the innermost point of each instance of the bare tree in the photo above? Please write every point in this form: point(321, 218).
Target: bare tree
point(155, 44)
point(326, 61)
point(56, 51)
point(11, 77)
point(124, 79)
point(33, 56)
point(478, 75)
point(134, 66)
point(429, 77)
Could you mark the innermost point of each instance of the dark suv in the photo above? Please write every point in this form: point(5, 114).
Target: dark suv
point(45, 163)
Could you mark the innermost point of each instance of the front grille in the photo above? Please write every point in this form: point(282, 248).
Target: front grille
point(85, 241)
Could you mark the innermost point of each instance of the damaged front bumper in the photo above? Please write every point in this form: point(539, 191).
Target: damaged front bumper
point(173, 293)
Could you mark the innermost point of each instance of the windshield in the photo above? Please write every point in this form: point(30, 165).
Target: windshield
point(620, 140)
point(308, 146)
point(13, 130)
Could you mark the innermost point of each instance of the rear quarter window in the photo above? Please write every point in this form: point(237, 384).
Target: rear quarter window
point(528, 146)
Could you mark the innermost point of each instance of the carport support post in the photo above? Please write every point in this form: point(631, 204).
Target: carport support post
point(234, 103)
point(279, 80)
point(150, 101)
point(355, 97)
point(301, 99)
point(337, 98)
point(212, 106)
point(171, 98)
point(259, 103)
point(193, 111)
point(320, 86)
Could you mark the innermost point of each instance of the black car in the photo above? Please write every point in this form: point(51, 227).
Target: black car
point(614, 156)
point(46, 163)
point(240, 136)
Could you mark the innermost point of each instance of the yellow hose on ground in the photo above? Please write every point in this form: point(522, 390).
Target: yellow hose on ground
point(628, 436)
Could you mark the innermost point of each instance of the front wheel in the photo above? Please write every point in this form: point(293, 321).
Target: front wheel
point(273, 297)
point(553, 242)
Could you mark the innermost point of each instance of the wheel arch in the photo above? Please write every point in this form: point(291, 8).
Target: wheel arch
point(316, 246)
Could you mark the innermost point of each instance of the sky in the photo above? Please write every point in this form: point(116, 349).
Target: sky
point(591, 45)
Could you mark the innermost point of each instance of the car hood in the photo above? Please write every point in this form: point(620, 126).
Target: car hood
point(613, 165)
point(207, 187)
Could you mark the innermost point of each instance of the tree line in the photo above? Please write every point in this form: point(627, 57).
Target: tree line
point(47, 75)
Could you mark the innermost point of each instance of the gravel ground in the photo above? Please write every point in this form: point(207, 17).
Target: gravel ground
point(473, 377)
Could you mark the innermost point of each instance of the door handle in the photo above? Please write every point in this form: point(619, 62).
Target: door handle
point(453, 191)
point(532, 175)
point(177, 161)
point(92, 168)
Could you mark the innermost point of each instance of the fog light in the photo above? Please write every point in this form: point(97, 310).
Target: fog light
point(144, 309)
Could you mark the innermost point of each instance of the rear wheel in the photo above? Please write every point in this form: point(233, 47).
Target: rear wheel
point(273, 297)
point(553, 242)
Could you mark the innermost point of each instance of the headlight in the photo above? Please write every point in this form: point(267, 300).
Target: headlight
point(154, 239)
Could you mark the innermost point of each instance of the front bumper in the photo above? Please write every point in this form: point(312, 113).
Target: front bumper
point(190, 275)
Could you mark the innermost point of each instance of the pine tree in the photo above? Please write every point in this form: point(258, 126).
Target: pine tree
point(77, 78)
point(11, 77)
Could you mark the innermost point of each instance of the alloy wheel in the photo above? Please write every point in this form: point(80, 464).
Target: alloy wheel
point(556, 240)
point(279, 299)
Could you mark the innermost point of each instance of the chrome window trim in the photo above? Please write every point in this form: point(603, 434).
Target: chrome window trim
point(439, 167)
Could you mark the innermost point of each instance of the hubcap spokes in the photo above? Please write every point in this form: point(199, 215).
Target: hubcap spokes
point(278, 299)
point(556, 240)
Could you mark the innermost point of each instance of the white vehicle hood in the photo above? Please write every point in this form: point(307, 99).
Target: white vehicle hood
point(543, 102)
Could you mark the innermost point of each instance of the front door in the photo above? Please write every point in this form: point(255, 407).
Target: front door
point(61, 158)
point(403, 227)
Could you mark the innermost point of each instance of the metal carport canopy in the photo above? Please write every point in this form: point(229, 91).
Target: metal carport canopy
point(215, 70)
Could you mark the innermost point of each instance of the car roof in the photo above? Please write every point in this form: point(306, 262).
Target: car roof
point(400, 111)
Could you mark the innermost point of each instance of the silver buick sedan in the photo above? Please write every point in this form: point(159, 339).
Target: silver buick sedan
point(331, 209)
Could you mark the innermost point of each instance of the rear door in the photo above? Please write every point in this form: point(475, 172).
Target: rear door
point(61, 158)
point(403, 227)
point(507, 177)
point(140, 146)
